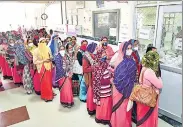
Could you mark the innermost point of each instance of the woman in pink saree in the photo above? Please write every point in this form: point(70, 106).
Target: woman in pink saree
point(87, 63)
point(151, 77)
point(104, 107)
point(123, 83)
point(64, 66)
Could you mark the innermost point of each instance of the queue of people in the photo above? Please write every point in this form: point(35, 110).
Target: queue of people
point(118, 87)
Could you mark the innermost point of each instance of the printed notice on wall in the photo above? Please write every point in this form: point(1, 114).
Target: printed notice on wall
point(178, 44)
point(144, 34)
point(112, 32)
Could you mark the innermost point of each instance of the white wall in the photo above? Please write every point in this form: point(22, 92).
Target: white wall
point(16, 13)
point(127, 15)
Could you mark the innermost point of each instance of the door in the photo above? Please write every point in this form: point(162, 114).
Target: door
point(169, 35)
point(169, 45)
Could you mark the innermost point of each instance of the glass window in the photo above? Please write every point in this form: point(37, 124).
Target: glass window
point(146, 19)
point(171, 40)
point(146, 2)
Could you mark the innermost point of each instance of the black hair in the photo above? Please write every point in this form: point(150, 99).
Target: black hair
point(67, 46)
point(73, 37)
point(51, 31)
point(150, 48)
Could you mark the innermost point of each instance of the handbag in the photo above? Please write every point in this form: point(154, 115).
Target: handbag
point(144, 95)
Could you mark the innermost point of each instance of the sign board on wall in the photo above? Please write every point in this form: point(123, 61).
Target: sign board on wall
point(144, 34)
point(71, 30)
point(178, 44)
point(79, 30)
point(112, 32)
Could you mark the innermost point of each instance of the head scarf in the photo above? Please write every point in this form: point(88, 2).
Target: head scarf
point(150, 48)
point(20, 53)
point(44, 53)
point(151, 60)
point(51, 44)
point(99, 69)
point(125, 74)
point(91, 47)
point(120, 55)
point(60, 72)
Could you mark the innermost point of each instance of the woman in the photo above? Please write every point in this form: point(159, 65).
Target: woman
point(66, 60)
point(34, 72)
point(104, 110)
point(17, 73)
point(151, 78)
point(123, 83)
point(3, 60)
point(136, 57)
point(82, 90)
point(106, 47)
point(23, 61)
point(42, 59)
point(151, 48)
point(78, 71)
point(87, 63)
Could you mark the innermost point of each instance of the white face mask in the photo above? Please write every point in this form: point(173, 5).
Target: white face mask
point(62, 52)
point(129, 52)
point(30, 44)
point(12, 44)
point(136, 48)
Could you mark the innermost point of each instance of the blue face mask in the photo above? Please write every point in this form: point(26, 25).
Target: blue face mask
point(103, 59)
point(105, 44)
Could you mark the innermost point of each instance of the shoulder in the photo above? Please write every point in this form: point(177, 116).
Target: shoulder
point(148, 71)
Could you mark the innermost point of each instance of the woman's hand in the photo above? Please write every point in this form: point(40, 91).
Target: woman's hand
point(70, 74)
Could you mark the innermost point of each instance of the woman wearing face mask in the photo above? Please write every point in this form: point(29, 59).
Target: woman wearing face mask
point(108, 49)
point(136, 57)
point(17, 73)
point(123, 83)
point(87, 63)
point(65, 83)
point(149, 77)
point(42, 59)
point(9, 58)
point(23, 62)
point(104, 110)
point(135, 54)
point(79, 70)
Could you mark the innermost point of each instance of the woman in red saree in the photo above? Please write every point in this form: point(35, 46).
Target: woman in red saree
point(87, 63)
point(42, 59)
point(104, 108)
point(34, 72)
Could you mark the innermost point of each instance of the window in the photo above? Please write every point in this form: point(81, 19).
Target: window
point(146, 19)
point(146, 2)
point(171, 40)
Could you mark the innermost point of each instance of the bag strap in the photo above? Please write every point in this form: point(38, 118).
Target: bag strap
point(142, 76)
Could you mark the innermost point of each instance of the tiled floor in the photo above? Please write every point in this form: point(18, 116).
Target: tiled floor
point(44, 114)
